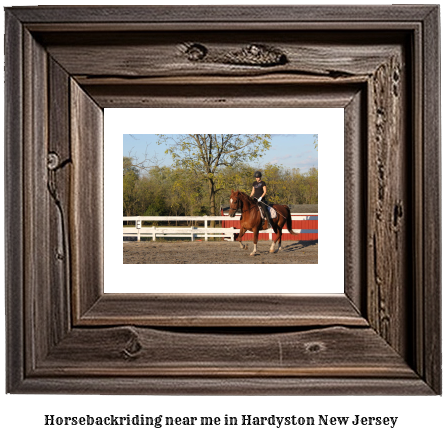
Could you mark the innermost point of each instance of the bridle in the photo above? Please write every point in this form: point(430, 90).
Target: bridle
point(237, 201)
point(231, 203)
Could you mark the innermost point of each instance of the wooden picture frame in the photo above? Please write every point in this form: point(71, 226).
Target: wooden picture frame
point(65, 64)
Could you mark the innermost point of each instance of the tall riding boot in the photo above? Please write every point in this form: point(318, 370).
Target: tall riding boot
point(268, 217)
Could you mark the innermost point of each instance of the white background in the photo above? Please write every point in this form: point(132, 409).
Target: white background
point(328, 123)
point(23, 414)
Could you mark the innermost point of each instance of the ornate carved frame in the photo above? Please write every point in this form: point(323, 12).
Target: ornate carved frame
point(64, 65)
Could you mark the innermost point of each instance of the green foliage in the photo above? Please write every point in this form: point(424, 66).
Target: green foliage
point(207, 155)
point(130, 179)
point(157, 207)
point(178, 191)
point(129, 168)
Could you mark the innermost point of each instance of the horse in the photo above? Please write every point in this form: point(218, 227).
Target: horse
point(251, 219)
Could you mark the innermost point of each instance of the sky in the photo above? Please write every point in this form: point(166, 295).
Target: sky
point(288, 150)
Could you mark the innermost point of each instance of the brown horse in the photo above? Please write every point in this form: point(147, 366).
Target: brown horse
point(251, 219)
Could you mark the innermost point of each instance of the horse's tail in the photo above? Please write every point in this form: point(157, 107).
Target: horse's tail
point(289, 220)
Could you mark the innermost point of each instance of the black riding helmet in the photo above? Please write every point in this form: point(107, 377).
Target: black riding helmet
point(257, 174)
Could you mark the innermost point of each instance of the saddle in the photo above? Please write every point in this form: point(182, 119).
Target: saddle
point(271, 210)
point(264, 222)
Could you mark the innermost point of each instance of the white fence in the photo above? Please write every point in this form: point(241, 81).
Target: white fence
point(193, 232)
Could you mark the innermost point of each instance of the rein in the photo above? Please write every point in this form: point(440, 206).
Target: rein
point(256, 206)
point(275, 210)
point(253, 206)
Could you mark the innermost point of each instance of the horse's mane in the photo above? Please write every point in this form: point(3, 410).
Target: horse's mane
point(244, 195)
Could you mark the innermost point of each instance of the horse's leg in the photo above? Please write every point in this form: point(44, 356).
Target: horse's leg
point(284, 221)
point(280, 233)
point(274, 241)
point(255, 231)
point(274, 249)
point(242, 232)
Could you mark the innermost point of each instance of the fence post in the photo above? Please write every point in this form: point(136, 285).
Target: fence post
point(192, 234)
point(206, 229)
point(153, 233)
point(139, 225)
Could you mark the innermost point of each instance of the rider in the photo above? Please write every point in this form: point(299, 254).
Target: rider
point(259, 192)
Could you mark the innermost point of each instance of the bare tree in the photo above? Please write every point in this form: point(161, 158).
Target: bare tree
point(206, 154)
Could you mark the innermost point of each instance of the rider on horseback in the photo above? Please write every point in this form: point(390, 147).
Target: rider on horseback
point(259, 192)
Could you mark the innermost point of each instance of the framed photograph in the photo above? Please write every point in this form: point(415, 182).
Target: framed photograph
point(379, 332)
point(184, 188)
point(178, 197)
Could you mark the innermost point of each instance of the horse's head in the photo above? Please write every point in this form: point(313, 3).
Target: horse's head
point(234, 203)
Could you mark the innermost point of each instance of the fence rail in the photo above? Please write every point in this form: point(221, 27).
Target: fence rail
point(193, 231)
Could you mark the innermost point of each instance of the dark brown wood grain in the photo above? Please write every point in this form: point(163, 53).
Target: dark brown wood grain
point(355, 188)
point(167, 385)
point(59, 168)
point(234, 310)
point(354, 15)
point(37, 204)
point(165, 54)
point(431, 215)
point(14, 238)
point(228, 95)
point(64, 65)
point(86, 207)
point(129, 351)
point(388, 202)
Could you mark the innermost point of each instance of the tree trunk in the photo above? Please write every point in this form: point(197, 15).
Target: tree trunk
point(211, 187)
